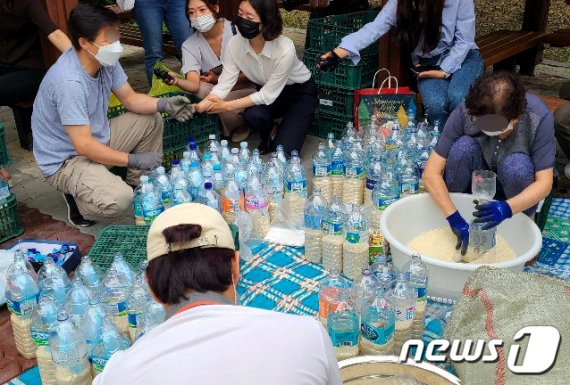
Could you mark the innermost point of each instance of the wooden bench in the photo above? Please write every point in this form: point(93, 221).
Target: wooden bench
point(501, 47)
point(551, 102)
point(560, 38)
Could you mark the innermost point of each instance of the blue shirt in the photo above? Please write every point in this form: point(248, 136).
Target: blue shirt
point(457, 34)
point(68, 96)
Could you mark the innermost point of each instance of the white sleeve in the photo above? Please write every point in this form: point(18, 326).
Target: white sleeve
point(230, 72)
point(278, 78)
point(333, 373)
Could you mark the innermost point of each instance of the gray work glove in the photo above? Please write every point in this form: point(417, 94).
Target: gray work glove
point(178, 107)
point(144, 161)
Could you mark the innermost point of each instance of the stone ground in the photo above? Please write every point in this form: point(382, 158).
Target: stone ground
point(35, 193)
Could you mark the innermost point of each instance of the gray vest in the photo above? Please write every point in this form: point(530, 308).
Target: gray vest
point(495, 149)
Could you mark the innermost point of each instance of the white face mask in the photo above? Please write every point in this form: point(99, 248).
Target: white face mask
point(203, 23)
point(109, 55)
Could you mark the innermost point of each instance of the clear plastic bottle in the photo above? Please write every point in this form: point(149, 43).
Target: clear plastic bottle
point(241, 174)
point(94, 316)
point(224, 151)
point(273, 178)
point(137, 205)
point(207, 167)
point(403, 297)
point(244, 154)
point(481, 242)
point(363, 290)
point(282, 157)
point(257, 205)
point(194, 151)
point(321, 172)
point(333, 238)
point(195, 180)
point(329, 292)
point(44, 319)
point(151, 201)
point(342, 325)
point(69, 353)
point(338, 169)
point(165, 187)
point(89, 273)
point(20, 259)
point(139, 300)
point(315, 209)
point(410, 178)
point(373, 174)
point(416, 273)
point(354, 182)
point(22, 297)
point(295, 191)
point(256, 165)
point(384, 272)
point(386, 192)
point(377, 326)
point(213, 145)
point(178, 174)
point(355, 246)
point(77, 301)
point(53, 280)
point(181, 194)
point(231, 162)
point(123, 267)
point(183, 165)
point(111, 341)
point(233, 199)
point(154, 316)
point(210, 198)
point(114, 296)
point(218, 179)
point(349, 137)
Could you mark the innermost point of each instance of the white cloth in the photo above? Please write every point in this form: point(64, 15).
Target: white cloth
point(227, 345)
point(198, 56)
point(126, 5)
point(275, 67)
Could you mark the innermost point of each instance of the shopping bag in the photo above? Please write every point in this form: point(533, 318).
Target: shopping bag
point(384, 103)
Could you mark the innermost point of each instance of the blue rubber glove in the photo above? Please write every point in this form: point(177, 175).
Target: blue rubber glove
point(492, 213)
point(461, 230)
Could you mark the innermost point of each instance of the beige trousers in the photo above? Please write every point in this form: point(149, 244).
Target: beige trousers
point(232, 119)
point(97, 191)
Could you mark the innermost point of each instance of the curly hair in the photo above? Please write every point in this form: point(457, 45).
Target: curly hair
point(501, 93)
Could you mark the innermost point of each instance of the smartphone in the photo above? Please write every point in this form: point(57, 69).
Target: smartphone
point(163, 74)
point(417, 70)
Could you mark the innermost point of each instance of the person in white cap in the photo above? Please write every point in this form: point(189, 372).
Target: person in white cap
point(193, 270)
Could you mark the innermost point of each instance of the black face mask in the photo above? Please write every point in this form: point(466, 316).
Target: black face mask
point(247, 28)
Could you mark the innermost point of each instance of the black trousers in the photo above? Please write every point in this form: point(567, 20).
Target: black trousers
point(18, 84)
point(296, 105)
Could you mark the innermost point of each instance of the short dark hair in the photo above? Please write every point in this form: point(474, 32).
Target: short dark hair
point(172, 275)
point(209, 3)
point(270, 16)
point(87, 21)
point(501, 93)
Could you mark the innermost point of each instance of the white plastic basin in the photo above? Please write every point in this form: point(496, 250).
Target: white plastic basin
point(414, 215)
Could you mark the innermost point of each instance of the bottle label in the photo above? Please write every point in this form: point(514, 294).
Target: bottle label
point(352, 237)
point(379, 335)
point(166, 197)
point(410, 188)
point(23, 307)
point(326, 102)
point(132, 319)
point(150, 215)
point(404, 314)
point(344, 338)
point(122, 308)
point(332, 228)
point(354, 172)
point(99, 363)
point(338, 167)
point(370, 184)
point(300, 187)
point(383, 203)
point(376, 243)
point(321, 170)
point(313, 222)
point(231, 205)
point(137, 206)
point(255, 203)
point(421, 294)
point(40, 338)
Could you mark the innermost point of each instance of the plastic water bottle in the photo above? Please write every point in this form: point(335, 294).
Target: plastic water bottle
point(44, 319)
point(94, 316)
point(22, 297)
point(77, 301)
point(377, 326)
point(111, 341)
point(225, 153)
point(403, 297)
point(209, 197)
point(435, 134)
point(195, 180)
point(333, 238)
point(194, 151)
point(114, 297)
point(321, 172)
point(244, 154)
point(89, 273)
point(282, 157)
point(165, 187)
point(411, 113)
point(349, 137)
point(154, 316)
point(329, 292)
point(373, 174)
point(338, 169)
point(384, 272)
point(273, 178)
point(363, 290)
point(123, 267)
point(353, 186)
point(386, 192)
point(295, 177)
point(181, 194)
point(231, 163)
point(233, 199)
point(355, 246)
point(342, 325)
point(151, 201)
point(257, 205)
point(69, 353)
point(20, 259)
point(213, 145)
point(481, 242)
point(410, 178)
point(218, 179)
point(330, 145)
point(184, 164)
point(138, 302)
point(315, 209)
point(207, 167)
point(255, 165)
point(416, 273)
point(53, 280)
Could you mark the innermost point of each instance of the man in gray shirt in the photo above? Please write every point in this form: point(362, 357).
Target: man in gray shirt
point(74, 142)
point(499, 128)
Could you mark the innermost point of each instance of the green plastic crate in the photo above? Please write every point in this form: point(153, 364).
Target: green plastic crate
point(336, 101)
point(325, 123)
point(4, 159)
point(129, 240)
point(346, 76)
point(326, 33)
point(10, 226)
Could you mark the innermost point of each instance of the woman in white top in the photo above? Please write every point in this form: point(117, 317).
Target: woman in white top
point(201, 64)
point(267, 58)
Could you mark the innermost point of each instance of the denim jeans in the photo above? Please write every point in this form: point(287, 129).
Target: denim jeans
point(441, 96)
point(150, 14)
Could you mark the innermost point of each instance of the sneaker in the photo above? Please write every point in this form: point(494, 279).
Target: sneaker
point(73, 214)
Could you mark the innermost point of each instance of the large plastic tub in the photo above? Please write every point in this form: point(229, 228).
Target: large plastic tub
point(412, 216)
